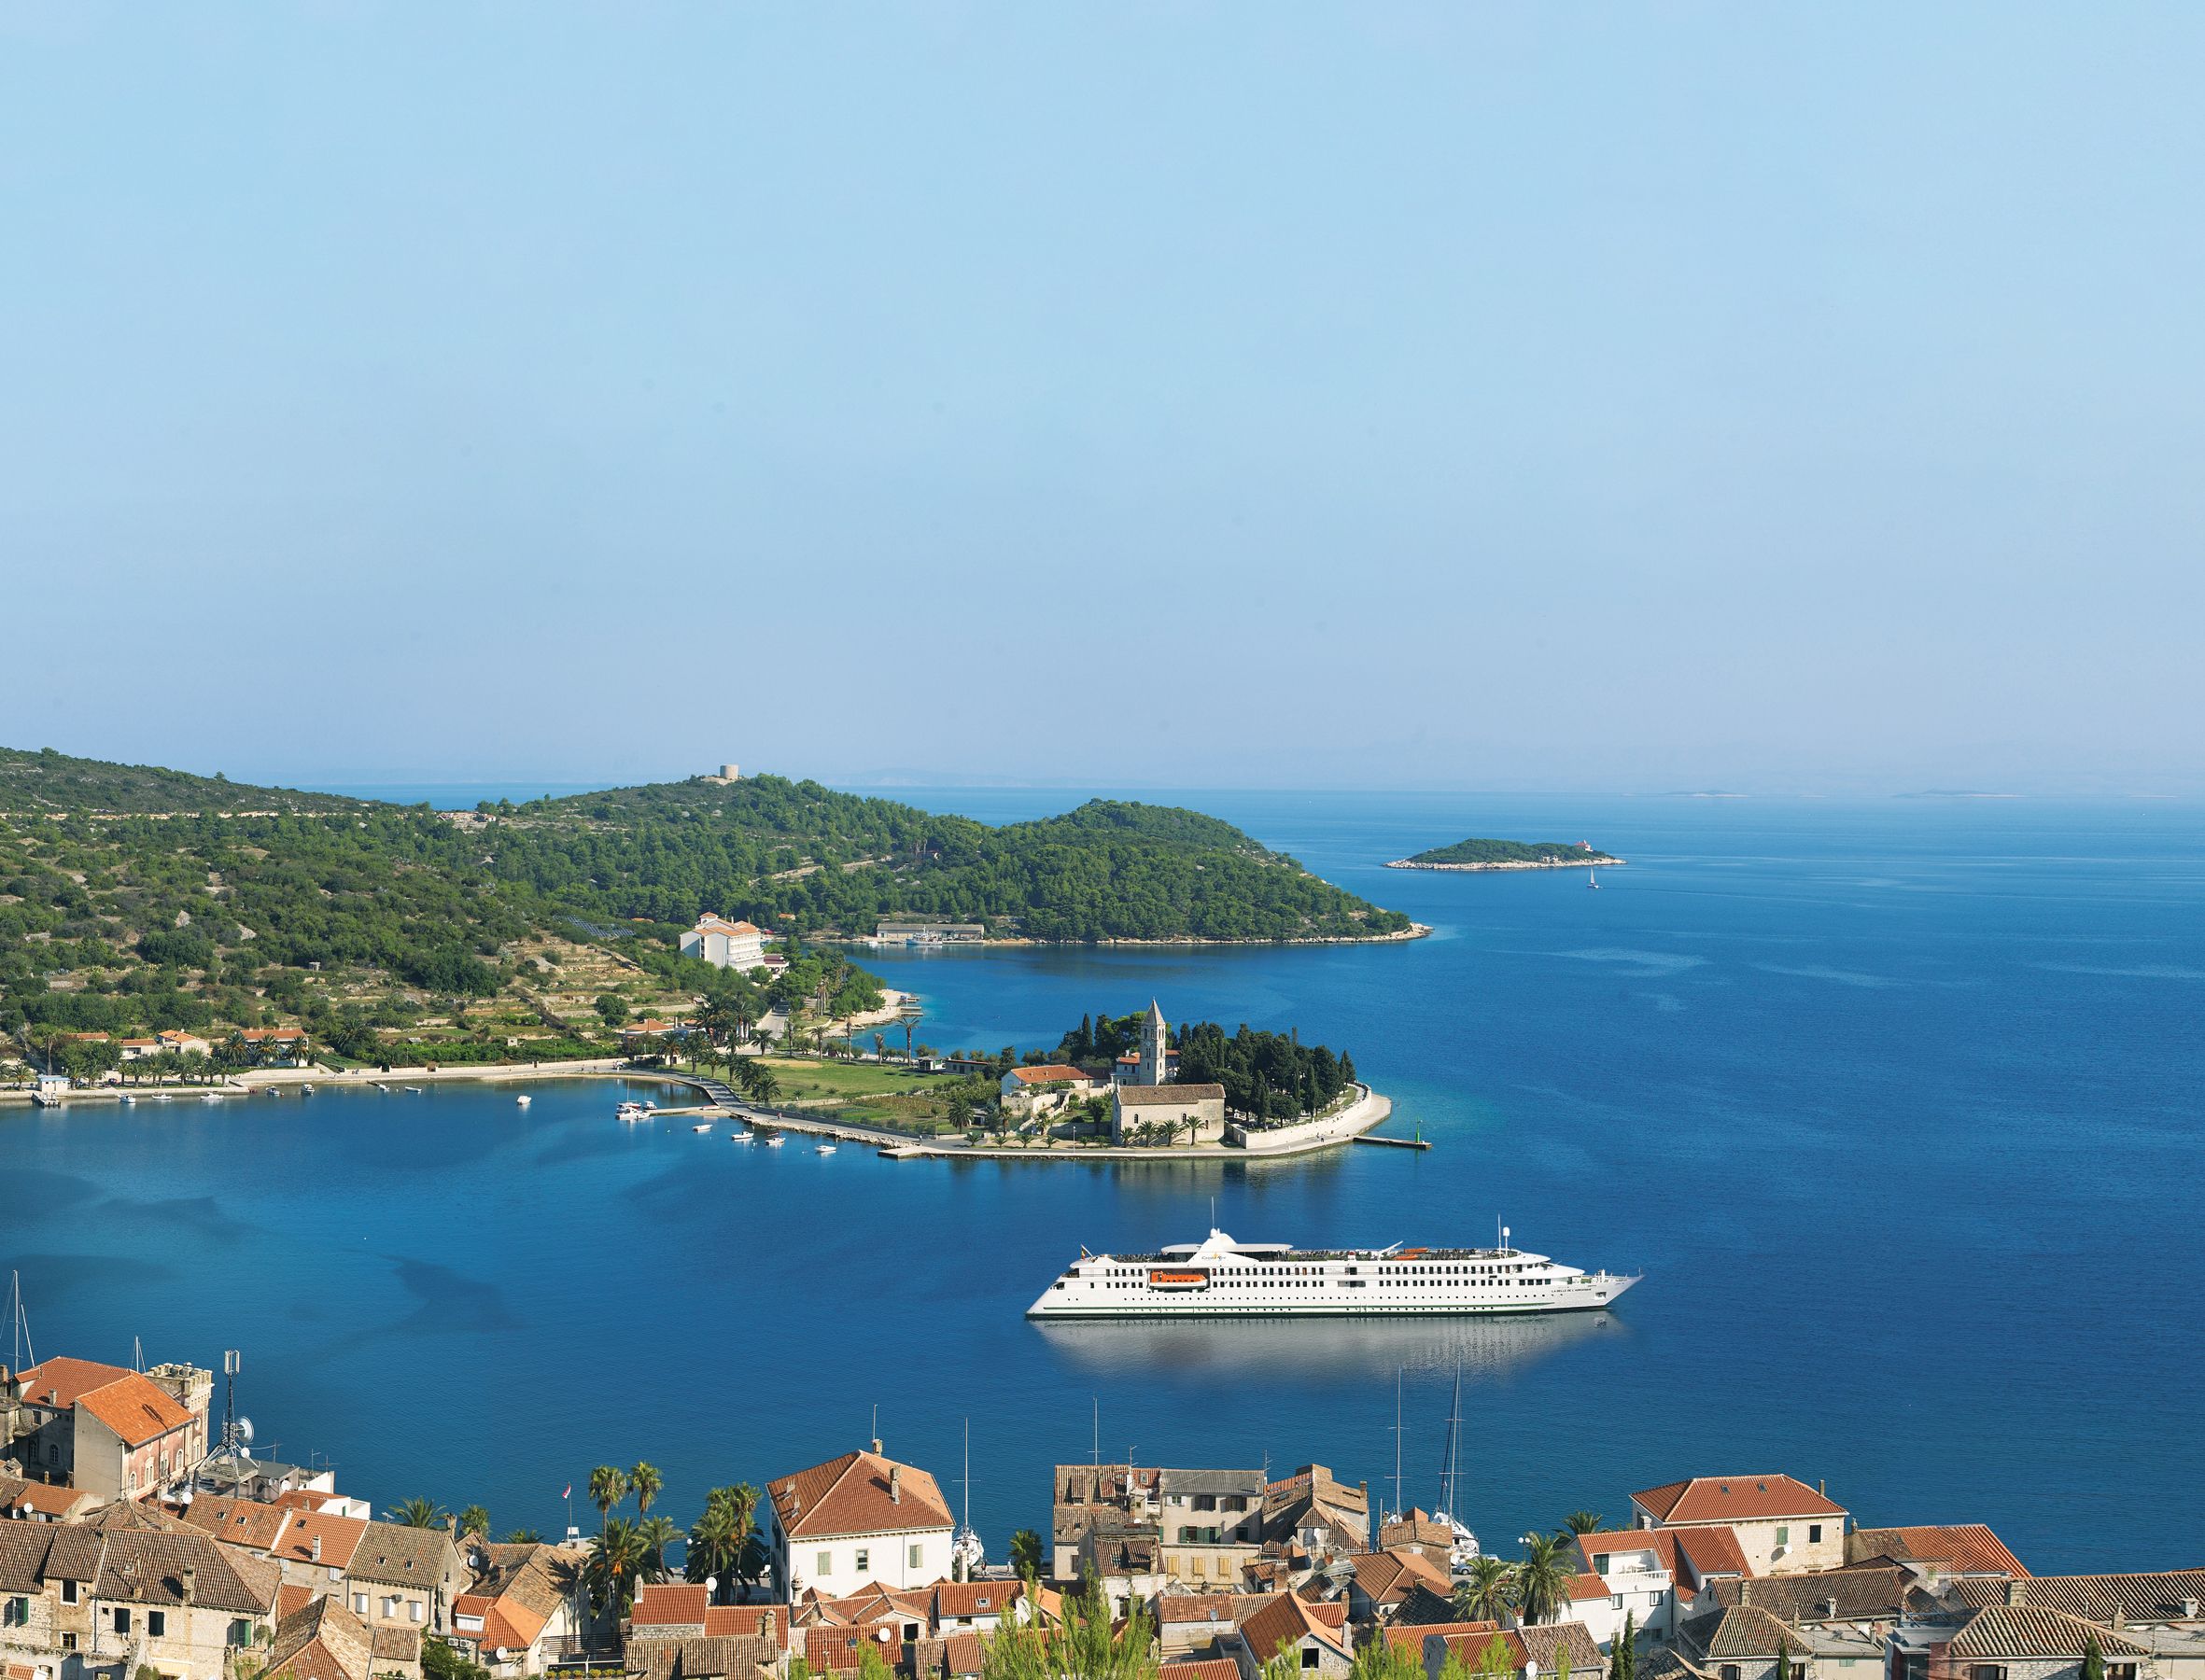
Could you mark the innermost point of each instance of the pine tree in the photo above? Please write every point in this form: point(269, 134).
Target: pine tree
point(2093, 1659)
point(1622, 1661)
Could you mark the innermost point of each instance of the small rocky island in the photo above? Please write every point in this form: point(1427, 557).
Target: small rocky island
point(1509, 854)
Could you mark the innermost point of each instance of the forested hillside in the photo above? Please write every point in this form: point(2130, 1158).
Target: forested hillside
point(134, 901)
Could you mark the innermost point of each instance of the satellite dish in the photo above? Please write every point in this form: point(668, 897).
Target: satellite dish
point(185, 1497)
point(712, 1585)
point(245, 1431)
point(884, 1635)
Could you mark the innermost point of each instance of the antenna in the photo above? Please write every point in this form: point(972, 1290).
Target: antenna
point(1397, 1505)
point(1098, 1432)
point(137, 1355)
point(19, 1323)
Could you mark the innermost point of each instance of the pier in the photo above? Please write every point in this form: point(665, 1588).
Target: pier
point(1417, 1142)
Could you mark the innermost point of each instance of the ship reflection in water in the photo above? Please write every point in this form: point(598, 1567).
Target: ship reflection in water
point(1323, 1347)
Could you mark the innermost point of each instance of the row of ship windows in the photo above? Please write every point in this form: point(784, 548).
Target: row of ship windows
point(1325, 1283)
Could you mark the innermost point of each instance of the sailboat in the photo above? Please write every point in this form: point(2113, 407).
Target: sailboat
point(1463, 1551)
point(1593, 879)
point(965, 1547)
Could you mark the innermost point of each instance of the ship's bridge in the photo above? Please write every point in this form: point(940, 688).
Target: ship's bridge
point(1218, 1246)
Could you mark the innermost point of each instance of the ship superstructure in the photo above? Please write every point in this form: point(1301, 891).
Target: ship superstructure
point(1220, 1275)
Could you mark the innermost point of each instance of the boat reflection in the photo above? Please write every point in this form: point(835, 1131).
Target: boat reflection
point(1334, 1347)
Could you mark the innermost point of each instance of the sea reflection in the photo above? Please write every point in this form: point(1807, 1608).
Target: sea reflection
point(1321, 1346)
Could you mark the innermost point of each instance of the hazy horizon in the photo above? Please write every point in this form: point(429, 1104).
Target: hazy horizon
point(1417, 396)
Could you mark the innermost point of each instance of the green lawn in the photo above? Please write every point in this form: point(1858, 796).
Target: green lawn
point(801, 1078)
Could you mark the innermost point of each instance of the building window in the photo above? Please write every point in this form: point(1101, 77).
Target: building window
point(1783, 1535)
point(359, 1604)
point(1730, 1670)
point(826, 1563)
point(413, 1610)
point(240, 1631)
point(68, 1592)
point(18, 1613)
point(918, 1557)
point(1988, 1670)
point(1814, 1534)
point(156, 1624)
point(122, 1618)
point(865, 1559)
point(2120, 1671)
point(1308, 1657)
point(68, 1641)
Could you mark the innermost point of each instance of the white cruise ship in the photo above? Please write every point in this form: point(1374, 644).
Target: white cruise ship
point(1272, 1279)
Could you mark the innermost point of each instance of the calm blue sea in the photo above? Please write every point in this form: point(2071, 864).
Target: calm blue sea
point(1897, 1105)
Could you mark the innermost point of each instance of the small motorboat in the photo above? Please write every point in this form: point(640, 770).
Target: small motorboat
point(743, 1136)
point(413, 1090)
point(305, 1090)
point(824, 1148)
point(522, 1100)
point(702, 1125)
point(629, 1112)
point(128, 1099)
point(165, 1097)
point(775, 1141)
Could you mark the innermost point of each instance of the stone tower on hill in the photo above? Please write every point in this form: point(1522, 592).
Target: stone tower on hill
point(1154, 1068)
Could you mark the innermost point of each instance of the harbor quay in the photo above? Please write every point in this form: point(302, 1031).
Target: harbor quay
point(141, 1538)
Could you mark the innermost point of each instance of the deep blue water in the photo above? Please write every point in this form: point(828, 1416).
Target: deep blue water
point(1896, 1104)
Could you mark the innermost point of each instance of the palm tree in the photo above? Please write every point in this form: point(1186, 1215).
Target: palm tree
point(713, 1548)
point(418, 1513)
point(765, 1087)
point(616, 1560)
point(644, 1482)
point(475, 1521)
point(1580, 1522)
point(1484, 1593)
point(1026, 1552)
point(656, 1534)
point(1542, 1578)
point(608, 1487)
point(525, 1536)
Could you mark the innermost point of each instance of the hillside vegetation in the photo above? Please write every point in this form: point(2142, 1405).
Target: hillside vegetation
point(135, 900)
point(1504, 854)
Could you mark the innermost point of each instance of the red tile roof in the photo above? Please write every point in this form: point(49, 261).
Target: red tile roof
point(340, 1537)
point(1962, 1548)
point(1411, 1638)
point(1736, 1499)
point(1288, 1621)
point(975, 1598)
point(670, 1603)
point(136, 1408)
point(1585, 1589)
point(56, 1383)
point(1210, 1668)
point(849, 1495)
point(1050, 1074)
point(726, 1621)
point(1712, 1551)
point(836, 1649)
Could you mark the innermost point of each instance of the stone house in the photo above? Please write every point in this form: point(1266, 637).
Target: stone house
point(854, 1520)
point(1195, 1113)
point(403, 1578)
point(1781, 1524)
point(114, 1433)
point(2015, 1642)
point(1088, 1495)
point(1312, 1638)
point(1313, 1513)
point(1211, 1521)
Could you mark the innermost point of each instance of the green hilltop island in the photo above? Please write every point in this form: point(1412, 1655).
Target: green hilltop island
point(1470, 855)
point(157, 926)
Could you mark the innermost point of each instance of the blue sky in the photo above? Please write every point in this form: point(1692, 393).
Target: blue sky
point(1786, 398)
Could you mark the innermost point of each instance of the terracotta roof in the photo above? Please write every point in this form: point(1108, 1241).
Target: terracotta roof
point(340, 1538)
point(1411, 1636)
point(240, 1521)
point(1584, 1588)
point(975, 1598)
point(1544, 1643)
point(393, 1555)
point(712, 924)
point(1712, 1551)
point(508, 1625)
point(1050, 1074)
point(23, 1547)
point(1741, 1631)
point(147, 1567)
point(1736, 1499)
point(670, 1603)
point(56, 1383)
point(2032, 1630)
point(1623, 1540)
point(2136, 1598)
point(1210, 1668)
point(324, 1640)
point(753, 1621)
point(291, 1599)
point(396, 1644)
point(1961, 1547)
point(136, 1408)
point(1177, 1608)
point(1137, 1096)
point(1824, 1595)
point(1388, 1575)
point(836, 1649)
point(41, 1498)
point(1288, 1621)
point(849, 1495)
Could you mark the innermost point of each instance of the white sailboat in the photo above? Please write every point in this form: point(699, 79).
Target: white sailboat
point(1463, 1550)
point(966, 1553)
